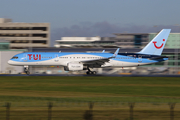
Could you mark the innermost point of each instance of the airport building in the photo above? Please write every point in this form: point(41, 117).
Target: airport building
point(140, 40)
point(25, 35)
point(131, 40)
point(85, 42)
point(173, 40)
point(5, 55)
point(121, 40)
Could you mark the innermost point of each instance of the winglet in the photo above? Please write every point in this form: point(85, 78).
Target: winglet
point(116, 53)
point(103, 51)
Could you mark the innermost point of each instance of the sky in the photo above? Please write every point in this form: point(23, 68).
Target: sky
point(95, 17)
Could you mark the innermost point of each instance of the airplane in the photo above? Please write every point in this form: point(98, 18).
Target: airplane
point(72, 61)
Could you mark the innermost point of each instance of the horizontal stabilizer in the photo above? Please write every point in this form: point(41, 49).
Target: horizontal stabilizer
point(156, 58)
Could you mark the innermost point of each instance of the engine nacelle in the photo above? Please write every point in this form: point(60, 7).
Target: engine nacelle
point(73, 67)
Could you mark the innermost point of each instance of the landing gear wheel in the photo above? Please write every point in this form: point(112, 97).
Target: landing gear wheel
point(94, 72)
point(27, 72)
point(91, 72)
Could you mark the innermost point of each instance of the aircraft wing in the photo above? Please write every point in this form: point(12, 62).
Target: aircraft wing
point(101, 61)
point(97, 61)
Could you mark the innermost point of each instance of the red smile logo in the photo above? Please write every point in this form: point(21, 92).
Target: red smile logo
point(158, 47)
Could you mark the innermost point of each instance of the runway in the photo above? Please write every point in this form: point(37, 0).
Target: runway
point(112, 75)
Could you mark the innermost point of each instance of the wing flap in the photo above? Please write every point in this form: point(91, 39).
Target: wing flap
point(96, 61)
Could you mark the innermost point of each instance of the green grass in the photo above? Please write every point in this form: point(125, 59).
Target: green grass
point(70, 96)
point(113, 89)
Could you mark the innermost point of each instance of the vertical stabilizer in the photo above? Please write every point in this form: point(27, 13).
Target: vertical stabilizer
point(156, 46)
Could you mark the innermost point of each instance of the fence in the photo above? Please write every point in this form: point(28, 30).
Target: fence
point(100, 110)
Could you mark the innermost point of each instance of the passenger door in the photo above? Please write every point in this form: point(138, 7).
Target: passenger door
point(25, 57)
point(139, 58)
point(56, 58)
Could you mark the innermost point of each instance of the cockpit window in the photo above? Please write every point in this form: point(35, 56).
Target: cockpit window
point(15, 57)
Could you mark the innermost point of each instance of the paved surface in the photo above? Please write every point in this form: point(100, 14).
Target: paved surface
point(113, 75)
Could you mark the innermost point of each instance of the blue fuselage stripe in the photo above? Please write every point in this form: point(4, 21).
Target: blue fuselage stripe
point(125, 57)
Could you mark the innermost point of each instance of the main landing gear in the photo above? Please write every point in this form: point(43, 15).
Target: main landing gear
point(26, 70)
point(89, 72)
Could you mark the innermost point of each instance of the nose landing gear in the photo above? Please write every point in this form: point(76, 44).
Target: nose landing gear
point(26, 70)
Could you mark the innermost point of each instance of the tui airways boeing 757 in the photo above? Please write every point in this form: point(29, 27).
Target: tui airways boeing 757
point(150, 54)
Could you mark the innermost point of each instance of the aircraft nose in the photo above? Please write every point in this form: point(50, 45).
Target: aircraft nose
point(10, 62)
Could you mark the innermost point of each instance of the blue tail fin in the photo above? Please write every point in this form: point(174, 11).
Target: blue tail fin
point(156, 46)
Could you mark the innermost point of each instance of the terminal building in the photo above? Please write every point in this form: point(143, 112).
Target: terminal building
point(25, 35)
point(5, 55)
point(173, 40)
point(131, 40)
point(19, 37)
point(122, 40)
point(85, 42)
